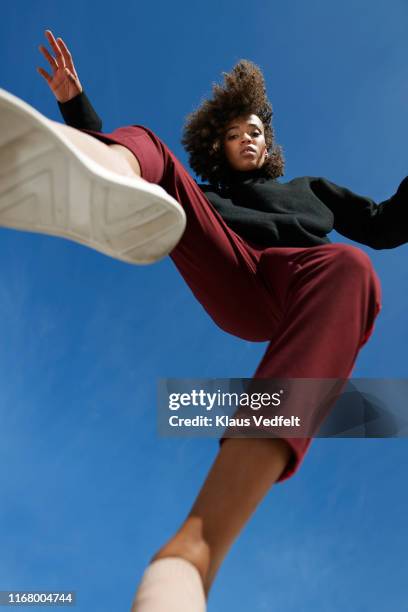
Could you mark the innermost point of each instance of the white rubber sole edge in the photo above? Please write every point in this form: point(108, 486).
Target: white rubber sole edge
point(47, 185)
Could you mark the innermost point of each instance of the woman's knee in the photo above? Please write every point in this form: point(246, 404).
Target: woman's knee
point(348, 255)
point(356, 268)
point(352, 263)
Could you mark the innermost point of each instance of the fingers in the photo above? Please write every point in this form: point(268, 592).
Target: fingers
point(67, 55)
point(51, 60)
point(54, 45)
point(45, 74)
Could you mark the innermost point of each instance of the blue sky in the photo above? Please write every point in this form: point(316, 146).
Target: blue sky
point(89, 492)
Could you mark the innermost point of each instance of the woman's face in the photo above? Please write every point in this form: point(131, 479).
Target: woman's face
point(244, 143)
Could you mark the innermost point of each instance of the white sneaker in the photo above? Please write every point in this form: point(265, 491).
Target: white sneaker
point(47, 185)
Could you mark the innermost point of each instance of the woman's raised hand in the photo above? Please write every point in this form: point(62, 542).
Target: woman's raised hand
point(64, 82)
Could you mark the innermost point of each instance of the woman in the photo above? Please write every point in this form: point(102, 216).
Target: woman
point(256, 255)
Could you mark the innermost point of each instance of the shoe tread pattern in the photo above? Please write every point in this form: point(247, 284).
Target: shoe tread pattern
point(46, 188)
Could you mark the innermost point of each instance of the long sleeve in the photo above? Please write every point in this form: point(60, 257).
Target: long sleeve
point(79, 113)
point(379, 226)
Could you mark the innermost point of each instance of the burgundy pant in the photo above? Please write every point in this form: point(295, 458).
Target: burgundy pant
point(316, 305)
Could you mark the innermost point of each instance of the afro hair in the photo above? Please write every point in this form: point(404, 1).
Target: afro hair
point(243, 93)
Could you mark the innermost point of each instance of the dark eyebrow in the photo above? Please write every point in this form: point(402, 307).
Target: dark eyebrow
point(236, 126)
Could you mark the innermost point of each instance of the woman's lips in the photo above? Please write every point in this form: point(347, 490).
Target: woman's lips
point(248, 152)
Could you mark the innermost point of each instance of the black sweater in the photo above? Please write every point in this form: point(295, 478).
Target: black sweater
point(299, 213)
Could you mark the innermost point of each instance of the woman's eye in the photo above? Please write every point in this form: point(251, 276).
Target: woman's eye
point(252, 134)
point(255, 133)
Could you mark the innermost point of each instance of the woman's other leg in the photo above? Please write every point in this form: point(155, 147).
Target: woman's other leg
point(242, 473)
point(333, 298)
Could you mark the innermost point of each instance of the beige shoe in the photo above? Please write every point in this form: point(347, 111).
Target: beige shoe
point(47, 185)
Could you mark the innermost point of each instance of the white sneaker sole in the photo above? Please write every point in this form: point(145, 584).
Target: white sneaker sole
point(47, 185)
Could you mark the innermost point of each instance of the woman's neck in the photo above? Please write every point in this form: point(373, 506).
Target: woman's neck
point(239, 176)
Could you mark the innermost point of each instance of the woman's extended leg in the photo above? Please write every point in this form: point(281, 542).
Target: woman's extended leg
point(217, 264)
point(56, 180)
point(113, 157)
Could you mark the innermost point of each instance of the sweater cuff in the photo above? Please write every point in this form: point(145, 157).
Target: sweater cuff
point(79, 113)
